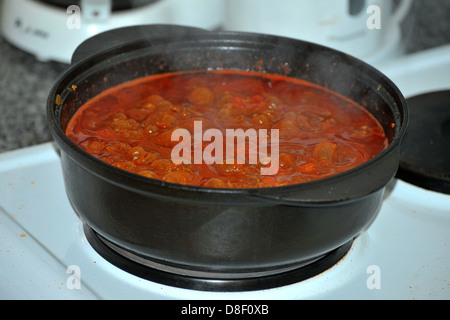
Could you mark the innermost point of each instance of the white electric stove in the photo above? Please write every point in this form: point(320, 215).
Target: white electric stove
point(403, 254)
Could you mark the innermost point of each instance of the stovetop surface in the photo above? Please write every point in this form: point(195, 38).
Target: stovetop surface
point(403, 254)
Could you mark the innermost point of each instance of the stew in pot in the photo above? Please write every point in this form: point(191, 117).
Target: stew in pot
point(176, 127)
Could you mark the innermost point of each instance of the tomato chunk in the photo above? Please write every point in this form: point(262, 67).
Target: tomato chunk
point(202, 96)
point(325, 151)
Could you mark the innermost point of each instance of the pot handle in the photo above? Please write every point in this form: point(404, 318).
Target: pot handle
point(326, 194)
point(347, 187)
point(126, 35)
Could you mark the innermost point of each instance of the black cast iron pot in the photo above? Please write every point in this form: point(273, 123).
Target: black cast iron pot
point(218, 233)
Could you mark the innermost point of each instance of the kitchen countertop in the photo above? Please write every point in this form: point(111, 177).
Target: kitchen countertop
point(25, 82)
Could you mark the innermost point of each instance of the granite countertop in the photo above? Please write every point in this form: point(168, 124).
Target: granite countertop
point(25, 82)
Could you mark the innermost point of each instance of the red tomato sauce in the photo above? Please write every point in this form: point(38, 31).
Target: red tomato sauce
point(321, 133)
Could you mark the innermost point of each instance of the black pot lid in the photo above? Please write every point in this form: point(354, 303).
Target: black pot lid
point(425, 150)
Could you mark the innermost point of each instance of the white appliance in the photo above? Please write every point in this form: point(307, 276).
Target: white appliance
point(52, 32)
point(367, 29)
point(403, 254)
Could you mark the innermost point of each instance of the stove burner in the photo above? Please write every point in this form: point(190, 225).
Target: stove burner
point(425, 151)
point(211, 281)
